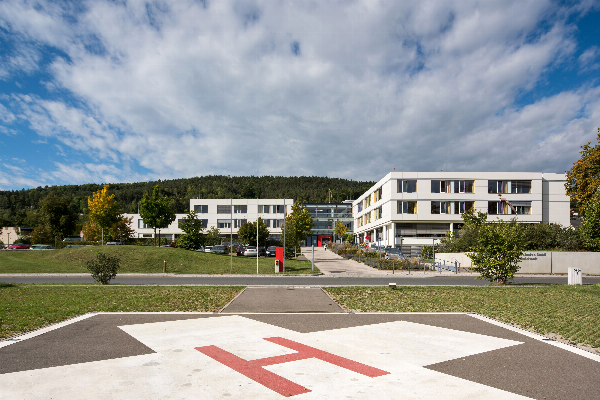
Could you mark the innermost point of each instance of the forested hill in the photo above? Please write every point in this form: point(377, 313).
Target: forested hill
point(18, 207)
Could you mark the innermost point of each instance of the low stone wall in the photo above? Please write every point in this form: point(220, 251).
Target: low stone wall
point(541, 262)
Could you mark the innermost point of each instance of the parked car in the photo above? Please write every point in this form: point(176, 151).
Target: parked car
point(250, 251)
point(220, 249)
point(208, 249)
point(271, 251)
point(262, 252)
point(18, 246)
point(200, 249)
point(41, 247)
point(113, 243)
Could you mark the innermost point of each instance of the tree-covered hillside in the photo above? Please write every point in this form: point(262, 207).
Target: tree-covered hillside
point(21, 207)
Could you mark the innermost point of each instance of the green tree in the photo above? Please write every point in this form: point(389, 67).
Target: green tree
point(498, 251)
point(340, 229)
point(193, 237)
point(298, 225)
point(584, 177)
point(40, 235)
point(590, 226)
point(212, 236)
point(247, 233)
point(156, 210)
point(58, 217)
point(467, 237)
point(121, 231)
point(104, 210)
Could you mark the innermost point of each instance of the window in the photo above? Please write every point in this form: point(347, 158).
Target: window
point(279, 209)
point(359, 207)
point(439, 207)
point(520, 187)
point(522, 207)
point(223, 209)
point(408, 186)
point(204, 223)
point(264, 209)
point(407, 207)
point(237, 223)
point(498, 186)
point(440, 186)
point(141, 224)
point(277, 223)
point(223, 223)
point(240, 209)
point(377, 213)
point(465, 206)
point(201, 209)
point(267, 222)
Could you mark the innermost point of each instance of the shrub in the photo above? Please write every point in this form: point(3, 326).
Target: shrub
point(103, 267)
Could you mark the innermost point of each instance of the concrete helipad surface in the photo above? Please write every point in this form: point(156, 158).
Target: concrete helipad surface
point(305, 356)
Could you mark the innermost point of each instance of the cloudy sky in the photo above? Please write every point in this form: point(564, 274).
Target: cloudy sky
point(126, 91)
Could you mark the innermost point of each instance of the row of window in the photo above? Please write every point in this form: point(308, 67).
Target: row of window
point(449, 207)
point(450, 186)
point(240, 209)
point(221, 223)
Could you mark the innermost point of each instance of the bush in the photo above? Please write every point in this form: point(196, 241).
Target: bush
point(103, 268)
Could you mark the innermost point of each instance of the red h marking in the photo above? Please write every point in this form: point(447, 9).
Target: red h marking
point(255, 371)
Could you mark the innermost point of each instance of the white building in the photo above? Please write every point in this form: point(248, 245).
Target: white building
point(414, 207)
point(225, 214)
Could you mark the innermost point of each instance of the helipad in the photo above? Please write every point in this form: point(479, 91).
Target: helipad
point(303, 356)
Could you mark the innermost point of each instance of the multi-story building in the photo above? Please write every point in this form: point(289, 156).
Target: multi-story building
point(411, 208)
point(227, 215)
point(325, 218)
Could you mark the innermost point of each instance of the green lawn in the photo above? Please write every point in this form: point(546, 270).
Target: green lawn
point(572, 312)
point(142, 259)
point(25, 308)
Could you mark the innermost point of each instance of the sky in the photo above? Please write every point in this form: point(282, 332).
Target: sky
point(127, 91)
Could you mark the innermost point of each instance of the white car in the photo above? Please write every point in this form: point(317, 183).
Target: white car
point(208, 249)
point(250, 251)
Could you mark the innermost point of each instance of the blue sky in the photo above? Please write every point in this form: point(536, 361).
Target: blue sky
point(124, 91)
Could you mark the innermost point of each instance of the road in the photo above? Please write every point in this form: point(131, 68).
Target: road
point(264, 280)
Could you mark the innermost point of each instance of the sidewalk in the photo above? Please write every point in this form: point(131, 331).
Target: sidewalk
point(331, 264)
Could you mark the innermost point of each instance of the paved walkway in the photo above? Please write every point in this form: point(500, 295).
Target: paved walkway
point(331, 264)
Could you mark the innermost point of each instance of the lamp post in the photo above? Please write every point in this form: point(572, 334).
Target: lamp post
point(8, 234)
point(231, 236)
point(257, 219)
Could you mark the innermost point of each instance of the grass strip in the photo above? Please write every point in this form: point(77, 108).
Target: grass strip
point(24, 308)
point(572, 312)
point(142, 259)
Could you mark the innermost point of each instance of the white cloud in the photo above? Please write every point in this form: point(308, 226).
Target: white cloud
point(590, 59)
point(183, 90)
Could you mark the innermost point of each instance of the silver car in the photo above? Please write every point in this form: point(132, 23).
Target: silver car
point(250, 251)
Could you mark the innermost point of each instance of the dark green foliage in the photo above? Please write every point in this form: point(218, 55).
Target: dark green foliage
point(193, 237)
point(103, 267)
point(590, 226)
point(247, 233)
point(57, 215)
point(551, 236)
point(19, 207)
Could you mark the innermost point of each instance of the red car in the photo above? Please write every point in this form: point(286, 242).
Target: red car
point(18, 246)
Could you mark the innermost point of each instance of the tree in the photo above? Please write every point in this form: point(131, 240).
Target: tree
point(584, 177)
point(590, 226)
point(193, 237)
point(298, 225)
point(156, 210)
point(498, 251)
point(40, 235)
point(247, 233)
point(121, 230)
point(340, 229)
point(91, 231)
point(104, 210)
point(212, 236)
point(103, 267)
point(467, 237)
point(58, 217)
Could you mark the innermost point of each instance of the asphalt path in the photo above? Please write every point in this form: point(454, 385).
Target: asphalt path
point(265, 280)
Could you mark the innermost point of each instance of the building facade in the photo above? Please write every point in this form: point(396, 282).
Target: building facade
point(227, 215)
point(325, 218)
point(414, 208)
